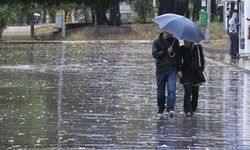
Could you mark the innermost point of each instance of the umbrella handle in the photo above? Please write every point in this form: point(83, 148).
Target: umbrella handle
point(170, 49)
point(173, 55)
point(173, 42)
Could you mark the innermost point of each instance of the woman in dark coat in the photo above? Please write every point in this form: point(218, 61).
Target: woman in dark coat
point(191, 76)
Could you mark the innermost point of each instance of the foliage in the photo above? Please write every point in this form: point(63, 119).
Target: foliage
point(5, 15)
point(143, 9)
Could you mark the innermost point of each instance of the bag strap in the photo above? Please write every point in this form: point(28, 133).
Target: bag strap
point(173, 42)
point(199, 57)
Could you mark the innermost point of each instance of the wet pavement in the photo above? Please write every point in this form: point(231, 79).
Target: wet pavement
point(102, 95)
point(222, 54)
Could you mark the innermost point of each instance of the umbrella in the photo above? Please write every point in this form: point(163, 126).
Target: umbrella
point(181, 27)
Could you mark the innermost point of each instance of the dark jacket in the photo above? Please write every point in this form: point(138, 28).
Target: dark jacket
point(163, 60)
point(190, 66)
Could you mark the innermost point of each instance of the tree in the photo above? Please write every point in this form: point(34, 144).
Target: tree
point(166, 6)
point(7, 15)
point(196, 9)
point(181, 7)
point(174, 6)
point(100, 8)
point(115, 16)
point(143, 9)
point(213, 9)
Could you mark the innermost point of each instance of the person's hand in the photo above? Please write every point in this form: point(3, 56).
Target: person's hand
point(179, 74)
point(170, 49)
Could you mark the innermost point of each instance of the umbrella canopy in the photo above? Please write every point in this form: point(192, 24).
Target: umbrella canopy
point(180, 26)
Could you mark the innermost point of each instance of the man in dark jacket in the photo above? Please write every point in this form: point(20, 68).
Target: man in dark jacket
point(164, 50)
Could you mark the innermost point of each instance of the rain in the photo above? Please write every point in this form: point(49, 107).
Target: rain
point(102, 95)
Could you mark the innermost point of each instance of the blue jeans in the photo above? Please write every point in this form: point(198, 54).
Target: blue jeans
point(164, 78)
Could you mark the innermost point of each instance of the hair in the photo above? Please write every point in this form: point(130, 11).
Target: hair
point(235, 10)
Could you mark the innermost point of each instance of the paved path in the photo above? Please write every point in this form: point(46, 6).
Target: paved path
point(20, 32)
point(102, 96)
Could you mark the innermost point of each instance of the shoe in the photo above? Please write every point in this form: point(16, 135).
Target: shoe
point(166, 114)
point(160, 111)
point(234, 56)
point(238, 56)
point(160, 115)
point(188, 114)
point(171, 113)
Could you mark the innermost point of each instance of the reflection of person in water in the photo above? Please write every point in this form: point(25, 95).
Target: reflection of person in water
point(233, 85)
point(167, 133)
point(164, 135)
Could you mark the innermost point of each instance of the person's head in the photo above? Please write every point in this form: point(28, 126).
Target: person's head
point(188, 43)
point(166, 34)
point(235, 14)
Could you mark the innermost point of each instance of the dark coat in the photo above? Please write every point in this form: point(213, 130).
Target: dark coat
point(163, 59)
point(190, 66)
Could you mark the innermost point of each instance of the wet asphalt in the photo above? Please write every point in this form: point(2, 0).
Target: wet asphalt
point(102, 95)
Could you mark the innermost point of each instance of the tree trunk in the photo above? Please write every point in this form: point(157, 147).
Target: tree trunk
point(213, 9)
point(1, 32)
point(166, 6)
point(47, 16)
point(100, 16)
point(232, 7)
point(93, 16)
point(196, 9)
point(115, 16)
point(181, 8)
point(32, 28)
point(220, 13)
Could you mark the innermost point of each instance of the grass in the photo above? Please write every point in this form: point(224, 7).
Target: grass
point(43, 31)
point(149, 31)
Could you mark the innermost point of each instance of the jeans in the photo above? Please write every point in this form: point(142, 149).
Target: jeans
point(164, 78)
point(234, 46)
point(190, 106)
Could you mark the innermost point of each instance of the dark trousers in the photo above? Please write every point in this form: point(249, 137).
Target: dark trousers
point(234, 46)
point(190, 104)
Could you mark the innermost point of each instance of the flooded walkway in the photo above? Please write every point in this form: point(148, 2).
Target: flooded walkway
point(103, 96)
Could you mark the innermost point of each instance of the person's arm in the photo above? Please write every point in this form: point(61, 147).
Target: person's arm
point(178, 51)
point(179, 58)
point(156, 52)
point(233, 26)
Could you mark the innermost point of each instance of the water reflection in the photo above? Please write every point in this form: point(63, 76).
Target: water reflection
point(60, 94)
point(102, 96)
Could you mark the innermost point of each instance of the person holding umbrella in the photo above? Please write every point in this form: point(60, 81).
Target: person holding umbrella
point(185, 29)
point(191, 75)
point(164, 50)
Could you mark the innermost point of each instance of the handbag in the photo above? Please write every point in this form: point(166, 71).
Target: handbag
point(201, 76)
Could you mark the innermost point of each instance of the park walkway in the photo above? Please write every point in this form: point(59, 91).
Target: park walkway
point(102, 95)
